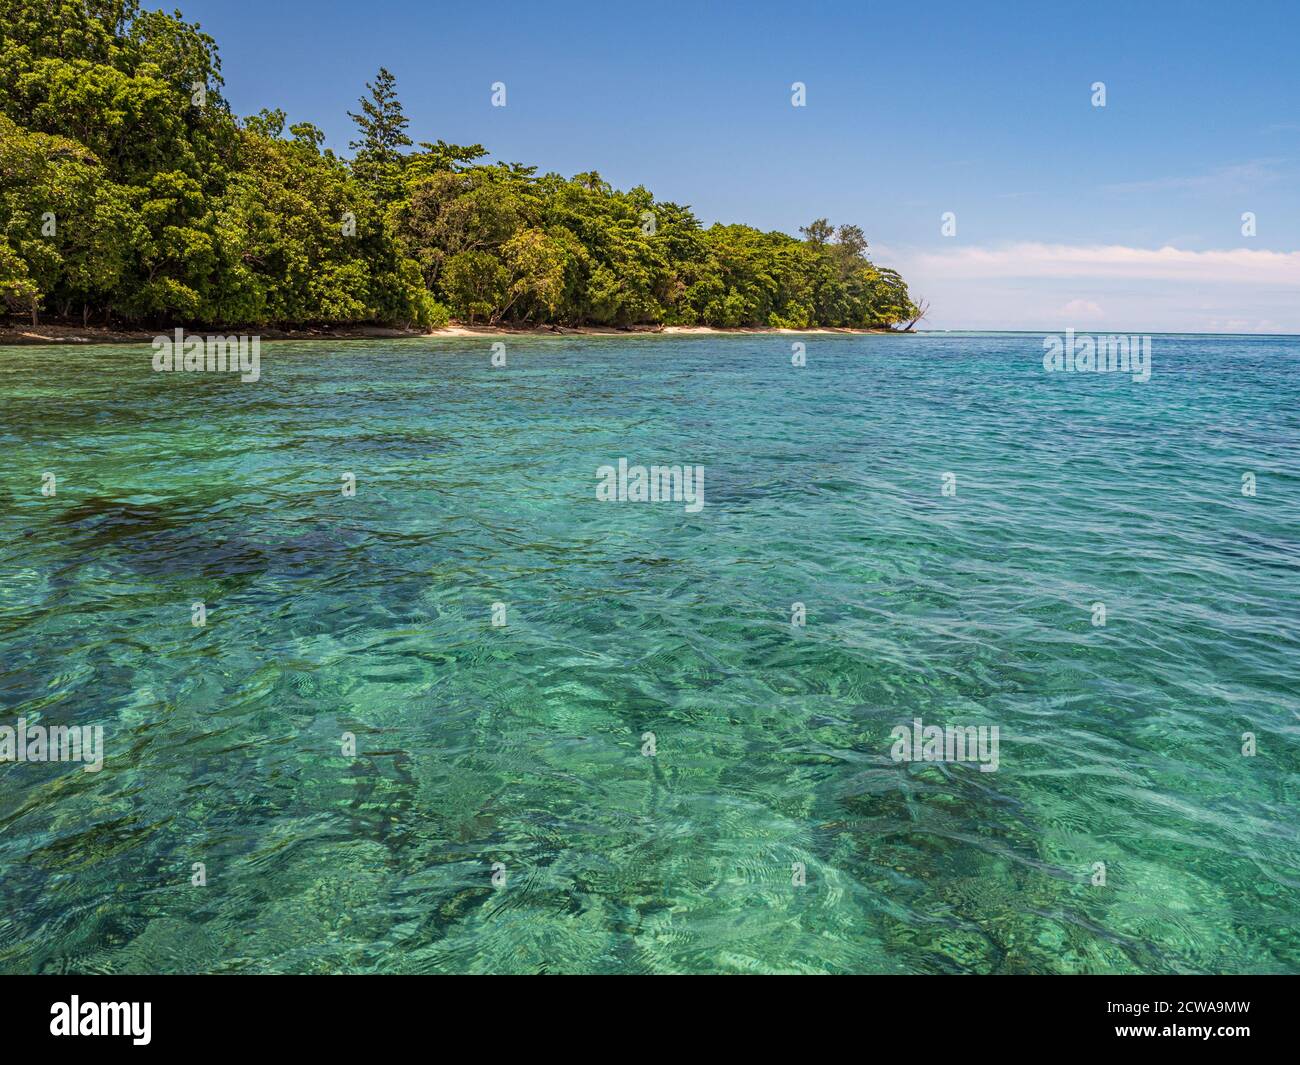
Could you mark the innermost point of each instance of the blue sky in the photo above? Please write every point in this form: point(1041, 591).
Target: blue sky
point(1122, 217)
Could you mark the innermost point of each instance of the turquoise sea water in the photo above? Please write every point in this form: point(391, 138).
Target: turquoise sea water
point(522, 744)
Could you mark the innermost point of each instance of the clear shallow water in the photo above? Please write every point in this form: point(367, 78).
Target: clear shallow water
point(522, 744)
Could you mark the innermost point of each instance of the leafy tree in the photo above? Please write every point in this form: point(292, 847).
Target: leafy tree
point(435, 158)
point(476, 285)
point(818, 232)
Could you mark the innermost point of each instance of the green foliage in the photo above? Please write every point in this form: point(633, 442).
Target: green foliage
point(436, 314)
point(475, 283)
point(168, 209)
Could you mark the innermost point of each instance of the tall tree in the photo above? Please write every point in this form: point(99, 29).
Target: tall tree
point(381, 122)
point(819, 232)
point(382, 135)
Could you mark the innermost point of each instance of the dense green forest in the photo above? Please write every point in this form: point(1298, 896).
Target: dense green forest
point(130, 194)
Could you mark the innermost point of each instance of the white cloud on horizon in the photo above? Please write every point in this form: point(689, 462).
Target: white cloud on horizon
point(1032, 285)
point(1083, 309)
point(1114, 262)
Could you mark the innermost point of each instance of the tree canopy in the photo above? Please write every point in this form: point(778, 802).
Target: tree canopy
point(129, 192)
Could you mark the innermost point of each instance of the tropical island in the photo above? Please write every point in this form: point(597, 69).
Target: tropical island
point(132, 197)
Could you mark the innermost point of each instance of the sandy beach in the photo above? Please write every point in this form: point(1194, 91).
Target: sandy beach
point(12, 333)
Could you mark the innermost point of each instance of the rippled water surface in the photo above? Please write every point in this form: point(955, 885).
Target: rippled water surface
point(522, 744)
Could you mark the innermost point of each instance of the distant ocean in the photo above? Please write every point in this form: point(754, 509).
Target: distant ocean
point(384, 686)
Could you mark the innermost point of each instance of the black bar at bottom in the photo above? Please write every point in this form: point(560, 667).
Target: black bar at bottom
point(335, 1014)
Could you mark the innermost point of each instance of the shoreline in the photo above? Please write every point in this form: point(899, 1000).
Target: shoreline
point(15, 335)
